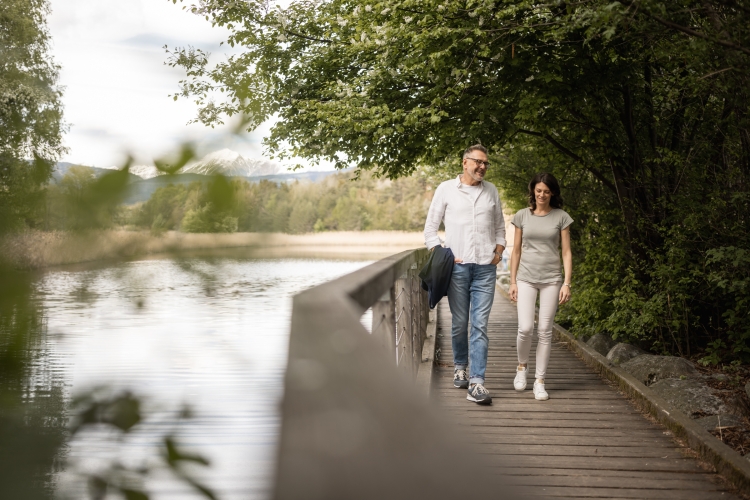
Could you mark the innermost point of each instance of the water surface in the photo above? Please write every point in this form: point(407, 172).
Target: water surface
point(208, 333)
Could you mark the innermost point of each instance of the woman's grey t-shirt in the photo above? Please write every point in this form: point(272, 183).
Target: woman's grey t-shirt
point(540, 250)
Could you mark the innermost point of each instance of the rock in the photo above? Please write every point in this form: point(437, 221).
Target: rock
point(689, 396)
point(720, 377)
point(747, 389)
point(712, 422)
point(623, 352)
point(602, 343)
point(649, 368)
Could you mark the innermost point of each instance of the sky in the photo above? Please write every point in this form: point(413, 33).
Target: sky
point(116, 86)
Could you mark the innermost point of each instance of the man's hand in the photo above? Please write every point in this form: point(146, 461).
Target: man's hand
point(499, 249)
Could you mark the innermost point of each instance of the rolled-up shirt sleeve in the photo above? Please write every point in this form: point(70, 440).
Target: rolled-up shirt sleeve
point(434, 218)
point(499, 224)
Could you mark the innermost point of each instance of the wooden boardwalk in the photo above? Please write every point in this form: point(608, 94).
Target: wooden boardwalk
point(586, 441)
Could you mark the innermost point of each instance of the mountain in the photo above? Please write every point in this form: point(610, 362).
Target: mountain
point(145, 171)
point(231, 164)
point(145, 179)
point(224, 162)
point(142, 189)
point(61, 168)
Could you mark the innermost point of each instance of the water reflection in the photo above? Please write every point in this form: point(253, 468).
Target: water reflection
point(32, 406)
point(208, 332)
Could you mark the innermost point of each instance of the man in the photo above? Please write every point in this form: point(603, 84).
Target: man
point(475, 232)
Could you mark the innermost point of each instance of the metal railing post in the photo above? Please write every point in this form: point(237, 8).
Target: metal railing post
point(403, 318)
point(384, 320)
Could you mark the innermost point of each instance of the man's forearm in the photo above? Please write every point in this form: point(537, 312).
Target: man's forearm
point(432, 224)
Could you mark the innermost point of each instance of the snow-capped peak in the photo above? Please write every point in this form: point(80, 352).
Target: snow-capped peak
point(224, 161)
point(145, 171)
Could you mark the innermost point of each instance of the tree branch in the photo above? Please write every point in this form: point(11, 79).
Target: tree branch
point(596, 173)
point(306, 37)
point(685, 29)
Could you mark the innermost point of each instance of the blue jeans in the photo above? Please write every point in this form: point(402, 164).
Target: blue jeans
point(470, 295)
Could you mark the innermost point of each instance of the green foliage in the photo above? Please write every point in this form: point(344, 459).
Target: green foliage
point(83, 201)
point(337, 203)
point(640, 108)
point(30, 111)
point(207, 220)
point(121, 414)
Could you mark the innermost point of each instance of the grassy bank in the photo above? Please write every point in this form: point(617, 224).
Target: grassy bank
point(36, 249)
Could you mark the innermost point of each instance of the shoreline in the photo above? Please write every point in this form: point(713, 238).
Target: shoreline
point(37, 250)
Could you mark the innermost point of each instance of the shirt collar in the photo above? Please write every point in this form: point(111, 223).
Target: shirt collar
point(459, 183)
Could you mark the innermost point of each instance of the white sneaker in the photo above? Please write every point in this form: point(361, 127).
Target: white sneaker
point(539, 393)
point(520, 381)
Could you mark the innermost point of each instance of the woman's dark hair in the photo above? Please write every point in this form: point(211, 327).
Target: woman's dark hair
point(556, 201)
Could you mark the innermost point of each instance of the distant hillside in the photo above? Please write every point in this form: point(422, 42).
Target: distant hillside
point(61, 168)
point(142, 189)
point(145, 180)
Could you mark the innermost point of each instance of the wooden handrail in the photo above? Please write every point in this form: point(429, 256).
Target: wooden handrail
point(353, 425)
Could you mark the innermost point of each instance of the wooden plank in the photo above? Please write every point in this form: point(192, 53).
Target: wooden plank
point(554, 406)
point(606, 463)
point(573, 492)
point(576, 440)
point(696, 478)
point(532, 416)
point(572, 431)
point(481, 420)
point(645, 482)
point(586, 441)
point(550, 450)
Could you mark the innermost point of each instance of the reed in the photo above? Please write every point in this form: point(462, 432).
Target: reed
point(39, 249)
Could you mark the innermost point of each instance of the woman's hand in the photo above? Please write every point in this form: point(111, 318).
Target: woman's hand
point(564, 294)
point(513, 292)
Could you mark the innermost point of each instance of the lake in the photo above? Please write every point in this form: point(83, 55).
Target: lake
point(206, 333)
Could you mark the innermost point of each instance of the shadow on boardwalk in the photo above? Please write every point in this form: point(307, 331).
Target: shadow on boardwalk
point(586, 441)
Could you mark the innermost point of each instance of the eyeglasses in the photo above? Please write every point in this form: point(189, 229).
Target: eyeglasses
point(480, 163)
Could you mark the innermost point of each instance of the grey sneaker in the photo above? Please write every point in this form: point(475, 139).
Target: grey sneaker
point(460, 379)
point(479, 395)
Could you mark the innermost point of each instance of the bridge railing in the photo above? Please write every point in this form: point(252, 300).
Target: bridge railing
point(401, 314)
point(353, 423)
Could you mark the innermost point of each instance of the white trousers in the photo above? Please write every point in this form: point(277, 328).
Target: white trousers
point(548, 299)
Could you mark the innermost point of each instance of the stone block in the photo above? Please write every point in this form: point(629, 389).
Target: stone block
point(649, 368)
point(622, 353)
point(690, 396)
point(602, 343)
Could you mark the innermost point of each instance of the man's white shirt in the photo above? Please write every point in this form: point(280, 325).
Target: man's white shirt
point(474, 224)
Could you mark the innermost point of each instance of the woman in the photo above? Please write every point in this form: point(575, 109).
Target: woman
point(535, 267)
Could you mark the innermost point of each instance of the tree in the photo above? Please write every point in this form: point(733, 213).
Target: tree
point(639, 107)
point(31, 123)
point(77, 181)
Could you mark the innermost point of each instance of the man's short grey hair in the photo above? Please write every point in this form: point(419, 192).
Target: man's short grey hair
point(475, 147)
